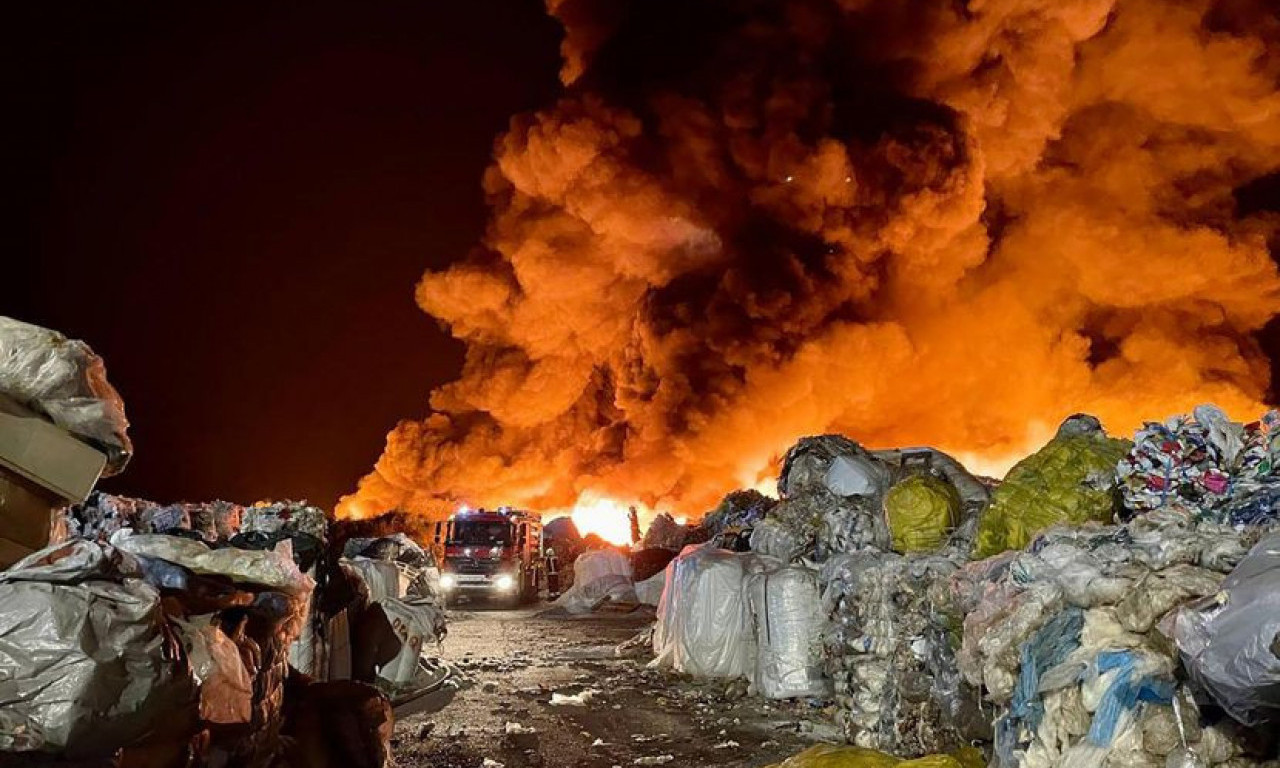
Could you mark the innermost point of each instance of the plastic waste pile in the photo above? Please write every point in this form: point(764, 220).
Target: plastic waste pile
point(732, 519)
point(63, 380)
point(1225, 470)
point(664, 533)
point(1072, 643)
point(102, 514)
point(199, 634)
point(599, 576)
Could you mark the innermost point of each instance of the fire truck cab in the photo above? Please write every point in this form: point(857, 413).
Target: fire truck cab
point(490, 553)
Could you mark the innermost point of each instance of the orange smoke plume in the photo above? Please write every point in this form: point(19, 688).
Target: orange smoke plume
point(909, 222)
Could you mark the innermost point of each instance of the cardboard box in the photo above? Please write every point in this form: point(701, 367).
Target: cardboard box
point(42, 469)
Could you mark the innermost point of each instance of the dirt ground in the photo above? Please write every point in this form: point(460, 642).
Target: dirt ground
point(513, 662)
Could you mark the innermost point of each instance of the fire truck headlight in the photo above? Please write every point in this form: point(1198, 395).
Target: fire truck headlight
point(447, 581)
point(504, 583)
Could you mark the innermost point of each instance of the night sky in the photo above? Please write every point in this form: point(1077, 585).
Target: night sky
point(232, 204)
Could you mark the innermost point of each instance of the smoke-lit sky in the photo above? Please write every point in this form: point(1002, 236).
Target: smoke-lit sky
point(232, 203)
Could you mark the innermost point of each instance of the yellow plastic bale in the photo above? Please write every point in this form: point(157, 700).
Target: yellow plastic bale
point(835, 756)
point(1070, 480)
point(922, 511)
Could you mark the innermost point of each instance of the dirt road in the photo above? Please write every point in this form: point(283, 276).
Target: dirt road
point(618, 713)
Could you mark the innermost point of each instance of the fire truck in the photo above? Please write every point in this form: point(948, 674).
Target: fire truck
point(495, 554)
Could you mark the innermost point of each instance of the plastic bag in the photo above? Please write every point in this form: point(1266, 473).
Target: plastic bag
point(921, 512)
point(704, 626)
point(1229, 642)
point(788, 624)
point(1070, 480)
point(416, 622)
point(65, 381)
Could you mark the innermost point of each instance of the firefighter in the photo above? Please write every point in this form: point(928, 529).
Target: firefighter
point(553, 573)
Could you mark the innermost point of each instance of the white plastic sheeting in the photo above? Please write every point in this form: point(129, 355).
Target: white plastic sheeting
point(787, 610)
point(65, 381)
point(83, 662)
point(704, 627)
point(384, 579)
point(649, 591)
point(599, 574)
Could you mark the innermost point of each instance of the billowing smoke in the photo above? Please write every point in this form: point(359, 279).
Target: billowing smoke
point(909, 221)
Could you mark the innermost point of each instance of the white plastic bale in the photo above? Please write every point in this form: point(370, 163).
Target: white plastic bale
point(788, 617)
point(704, 626)
point(599, 574)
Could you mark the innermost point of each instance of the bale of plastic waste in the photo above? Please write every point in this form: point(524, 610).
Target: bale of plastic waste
point(65, 381)
point(1070, 480)
point(921, 511)
point(704, 627)
point(787, 612)
point(85, 655)
point(774, 538)
point(1223, 468)
point(1069, 640)
point(1230, 642)
point(889, 652)
point(599, 575)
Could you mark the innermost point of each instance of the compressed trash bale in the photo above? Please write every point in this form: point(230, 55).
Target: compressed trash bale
point(888, 651)
point(921, 512)
point(787, 612)
point(1228, 643)
point(704, 626)
point(647, 562)
point(64, 380)
point(85, 659)
point(775, 538)
point(1070, 480)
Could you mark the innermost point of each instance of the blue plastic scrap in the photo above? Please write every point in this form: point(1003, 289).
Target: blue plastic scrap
point(1124, 693)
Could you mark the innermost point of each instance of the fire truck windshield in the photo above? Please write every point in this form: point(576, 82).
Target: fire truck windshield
point(480, 534)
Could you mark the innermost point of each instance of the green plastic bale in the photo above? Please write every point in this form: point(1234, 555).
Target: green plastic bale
point(921, 511)
point(835, 756)
point(1071, 479)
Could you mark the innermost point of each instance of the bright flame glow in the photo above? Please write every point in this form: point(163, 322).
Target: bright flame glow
point(682, 520)
point(606, 518)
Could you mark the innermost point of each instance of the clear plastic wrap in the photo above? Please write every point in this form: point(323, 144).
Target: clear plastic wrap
point(788, 624)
